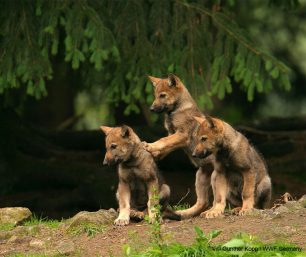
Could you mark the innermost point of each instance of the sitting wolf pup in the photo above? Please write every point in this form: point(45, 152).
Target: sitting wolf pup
point(139, 179)
point(240, 174)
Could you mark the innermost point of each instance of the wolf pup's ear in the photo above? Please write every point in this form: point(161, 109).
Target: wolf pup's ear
point(172, 80)
point(105, 129)
point(210, 122)
point(125, 131)
point(154, 80)
point(200, 120)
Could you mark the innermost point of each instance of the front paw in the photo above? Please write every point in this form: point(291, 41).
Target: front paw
point(212, 213)
point(245, 211)
point(235, 211)
point(122, 221)
point(137, 215)
point(152, 149)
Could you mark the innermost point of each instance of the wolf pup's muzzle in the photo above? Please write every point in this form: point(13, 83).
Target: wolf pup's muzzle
point(202, 154)
point(112, 161)
point(157, 109)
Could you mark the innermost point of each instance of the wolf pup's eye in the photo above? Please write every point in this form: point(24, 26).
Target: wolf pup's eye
point(162, 95)
point(203, 138)
point(113, 146)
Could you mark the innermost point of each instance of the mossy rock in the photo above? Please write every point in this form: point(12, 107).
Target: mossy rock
point(302, 201)
point(99, 218)
point(14, 215)
point(293, 205)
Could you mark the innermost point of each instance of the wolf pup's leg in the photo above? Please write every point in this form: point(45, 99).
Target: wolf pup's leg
point(263, 193)
point(248, 191)
point(202, 186)
point(124, 197)
point(164, 195)
point(220, 191)
point(165, 145)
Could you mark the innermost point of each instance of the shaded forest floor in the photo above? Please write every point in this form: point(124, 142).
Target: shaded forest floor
point(49, 239)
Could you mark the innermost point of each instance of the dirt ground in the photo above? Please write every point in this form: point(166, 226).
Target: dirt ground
point(285, 227)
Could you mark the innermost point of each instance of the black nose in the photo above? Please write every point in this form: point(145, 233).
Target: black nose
point(105, 162)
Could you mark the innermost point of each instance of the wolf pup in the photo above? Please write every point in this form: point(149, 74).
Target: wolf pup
point(240, 174)
point(139, 179)
point(173, 99)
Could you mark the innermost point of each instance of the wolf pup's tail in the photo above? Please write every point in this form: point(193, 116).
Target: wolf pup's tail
point(168, 213)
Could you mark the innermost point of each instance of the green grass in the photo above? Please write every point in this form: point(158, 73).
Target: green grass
point(181, 206)
point(34, 220)
point(241, 245)
point(6, 226)
point(87, 228)
point(34, 255)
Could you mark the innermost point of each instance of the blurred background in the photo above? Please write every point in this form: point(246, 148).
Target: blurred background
point(68, 67)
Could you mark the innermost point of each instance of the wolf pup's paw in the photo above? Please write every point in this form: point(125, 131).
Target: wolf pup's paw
point(137, 215)
point(245, 211)
point(151, 149)
point(212, 213)
point(121, 221)
point(235, 211)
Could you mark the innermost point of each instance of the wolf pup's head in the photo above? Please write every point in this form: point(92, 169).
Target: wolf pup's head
point(167, 93)
point(208, 135)
point(119, 143)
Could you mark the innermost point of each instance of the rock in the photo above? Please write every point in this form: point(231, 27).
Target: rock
point(37, 243)
point(13, 239)
point(254, 212)
point(293, 205)
point(281, 209)
point(65, 247)
point(14, 215)
point(284, 231)
point(101, 217)
point(5, 235)
point(302, 201)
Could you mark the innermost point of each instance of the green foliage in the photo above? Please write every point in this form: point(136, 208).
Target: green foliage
point(34, 220)
point(6, 226)
point(115, 44)
point(241, 245)
point(87, 228)
point(34, 255)
point(155, 225)
point(182, 206)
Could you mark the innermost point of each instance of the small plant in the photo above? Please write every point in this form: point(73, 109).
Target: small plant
point(35, 220)
point(34, 255)
point(241, 245)
point(155, 225)
point(87, 228)
point(6, 226)
point(181, 206)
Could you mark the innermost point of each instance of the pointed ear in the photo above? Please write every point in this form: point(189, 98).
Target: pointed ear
point(172, 80)
point(154, 80)
point(200, 120)
point(125, 131)
point(105, 129)
point(210, 122)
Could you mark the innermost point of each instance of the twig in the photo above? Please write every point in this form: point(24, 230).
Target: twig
point(188, 191)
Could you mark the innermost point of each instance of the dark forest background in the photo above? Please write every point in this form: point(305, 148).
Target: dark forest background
point(67, 67)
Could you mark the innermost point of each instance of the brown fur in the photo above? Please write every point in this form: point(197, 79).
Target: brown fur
point(138, 175)
point(240, 174)
point(173, 98)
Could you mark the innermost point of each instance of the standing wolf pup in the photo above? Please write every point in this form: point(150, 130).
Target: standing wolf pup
point(173, 99)
point(240, 174)
point(139, 179)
